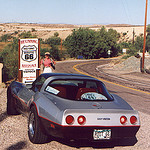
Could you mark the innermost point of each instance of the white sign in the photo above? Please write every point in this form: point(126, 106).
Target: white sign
point(124, 50)
point(28, 54)
point(29, 75)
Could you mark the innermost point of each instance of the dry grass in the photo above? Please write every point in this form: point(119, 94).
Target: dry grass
point(2, 45)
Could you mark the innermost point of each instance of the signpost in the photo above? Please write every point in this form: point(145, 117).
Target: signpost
point(109, 52)
point(29, 57)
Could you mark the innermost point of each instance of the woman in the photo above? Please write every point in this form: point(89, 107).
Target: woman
point(48, 63)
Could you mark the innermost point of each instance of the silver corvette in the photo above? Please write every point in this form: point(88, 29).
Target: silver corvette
point(71, 106)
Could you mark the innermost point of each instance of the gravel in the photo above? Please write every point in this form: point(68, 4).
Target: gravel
point(132, 64)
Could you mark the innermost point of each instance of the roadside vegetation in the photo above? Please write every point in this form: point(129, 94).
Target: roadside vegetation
point(92, 44)
point(82, 43)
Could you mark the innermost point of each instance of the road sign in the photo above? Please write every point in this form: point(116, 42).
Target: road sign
point(28, 59)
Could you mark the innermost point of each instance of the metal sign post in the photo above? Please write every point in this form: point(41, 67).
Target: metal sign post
point(29, 51)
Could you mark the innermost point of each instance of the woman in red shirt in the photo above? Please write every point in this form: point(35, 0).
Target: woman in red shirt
point(47, 63)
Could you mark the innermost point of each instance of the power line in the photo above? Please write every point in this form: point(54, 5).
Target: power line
point(125, 6)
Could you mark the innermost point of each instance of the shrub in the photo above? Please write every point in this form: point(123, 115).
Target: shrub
point(92, 44)
point(5, 37)
point(53, 40)
point(54, 53)
point(9, 57)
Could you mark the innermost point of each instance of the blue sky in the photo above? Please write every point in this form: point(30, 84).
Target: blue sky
point(73, 11)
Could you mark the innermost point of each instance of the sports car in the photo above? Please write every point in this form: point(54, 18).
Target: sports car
point(71, 106)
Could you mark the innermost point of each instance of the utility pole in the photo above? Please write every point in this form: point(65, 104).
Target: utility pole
point(133, 36)
point(144, 37)
point(61, 45)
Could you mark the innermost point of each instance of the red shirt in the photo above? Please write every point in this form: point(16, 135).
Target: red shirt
point(47, 62)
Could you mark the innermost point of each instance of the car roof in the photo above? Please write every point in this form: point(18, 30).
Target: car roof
point(47, 75)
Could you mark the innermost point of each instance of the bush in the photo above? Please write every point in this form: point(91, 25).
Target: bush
point(92, 44)
point(9, 57)
point(54, 53)
point(28, 34)
point(5, 37)
point(53, 40)
point(33, 30)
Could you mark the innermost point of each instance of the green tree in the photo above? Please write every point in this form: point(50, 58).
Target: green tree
point(81, 42)
point(139, 43)
point(28, 34)
point(33, 30)
point(5, 37)
point(148, 38)
point(53, 40)
point(54, 52)
point(9, 57)
point(92, 44)
point(56, 34)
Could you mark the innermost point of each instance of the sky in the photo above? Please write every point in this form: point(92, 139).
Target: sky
point(74, 11)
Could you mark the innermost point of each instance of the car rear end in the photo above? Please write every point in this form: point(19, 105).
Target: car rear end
point(99, 124)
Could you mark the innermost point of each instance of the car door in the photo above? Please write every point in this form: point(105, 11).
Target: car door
point(24, 96)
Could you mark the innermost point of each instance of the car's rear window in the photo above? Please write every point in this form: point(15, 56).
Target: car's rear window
point(90, 90)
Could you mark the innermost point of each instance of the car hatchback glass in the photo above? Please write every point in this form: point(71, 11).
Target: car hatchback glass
point(77, 89)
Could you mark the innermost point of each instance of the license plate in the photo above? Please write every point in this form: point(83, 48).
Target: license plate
point(100, 134)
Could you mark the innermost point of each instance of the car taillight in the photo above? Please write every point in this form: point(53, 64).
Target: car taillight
point(69, 119)
point(81, 120)
point(133, 119)
point(123, 119)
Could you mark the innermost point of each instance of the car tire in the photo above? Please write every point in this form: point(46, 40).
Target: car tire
point(35, 133)
point(11, 108)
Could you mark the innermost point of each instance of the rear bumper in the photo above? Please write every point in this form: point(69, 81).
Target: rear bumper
point(86, 132)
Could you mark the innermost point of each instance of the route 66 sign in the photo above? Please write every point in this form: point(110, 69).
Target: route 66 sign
point(29, 53)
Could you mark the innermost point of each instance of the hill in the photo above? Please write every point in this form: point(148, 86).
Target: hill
point(45, 31)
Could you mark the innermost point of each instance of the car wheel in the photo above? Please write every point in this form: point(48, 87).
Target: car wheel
point(11, 108)
point(35, 134)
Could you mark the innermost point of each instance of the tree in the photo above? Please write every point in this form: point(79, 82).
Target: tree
point(9, 57)
point(54, 52)
point(56, 34)
point(28, 34)
point(139, 43)
point(106, 40)
point(92, 44)
point(148, 38)
point(33, 30)
point(53, 40)
point(5, 37)
point(81, 42)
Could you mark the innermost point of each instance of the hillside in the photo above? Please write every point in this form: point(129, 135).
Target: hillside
point(47, 30)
